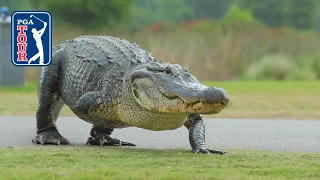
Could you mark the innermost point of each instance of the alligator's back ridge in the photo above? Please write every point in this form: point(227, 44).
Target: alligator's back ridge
point(98, 63)
point(108, 50)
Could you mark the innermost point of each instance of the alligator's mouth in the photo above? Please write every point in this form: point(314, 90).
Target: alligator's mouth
point(155, 97)
point(199, 105)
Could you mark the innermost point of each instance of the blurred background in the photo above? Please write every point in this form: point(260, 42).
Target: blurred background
point(216, 39)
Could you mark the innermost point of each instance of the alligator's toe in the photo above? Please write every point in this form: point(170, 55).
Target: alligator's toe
point(212, 151)
point(209, 151)
point(101, 142)
point(126, 144)
point(107, 141)
point(50, 137)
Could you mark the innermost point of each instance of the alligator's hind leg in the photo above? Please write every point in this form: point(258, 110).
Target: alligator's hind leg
point(101, 136)
point(196, 129)
point(49, 104)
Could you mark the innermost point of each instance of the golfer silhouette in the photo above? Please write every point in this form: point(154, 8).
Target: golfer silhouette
point(37, 37)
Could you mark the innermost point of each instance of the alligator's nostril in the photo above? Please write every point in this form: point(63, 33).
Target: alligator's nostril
point(226, 96)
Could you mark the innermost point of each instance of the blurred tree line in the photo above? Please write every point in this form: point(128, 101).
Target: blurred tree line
point(151, 11)
point(299, 14)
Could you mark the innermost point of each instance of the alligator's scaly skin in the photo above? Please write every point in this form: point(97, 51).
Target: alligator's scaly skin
point(112, 83)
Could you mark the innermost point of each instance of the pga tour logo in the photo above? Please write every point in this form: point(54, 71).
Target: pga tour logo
point(31, 38)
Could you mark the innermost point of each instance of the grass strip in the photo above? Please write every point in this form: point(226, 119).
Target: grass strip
point(61, 162)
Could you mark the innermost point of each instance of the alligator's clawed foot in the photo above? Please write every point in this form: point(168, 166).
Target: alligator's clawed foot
point(50, 137)
point(209, 151)
point(107, 141)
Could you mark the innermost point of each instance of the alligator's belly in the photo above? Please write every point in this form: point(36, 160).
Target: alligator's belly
point(109, 120)
point(159, 122)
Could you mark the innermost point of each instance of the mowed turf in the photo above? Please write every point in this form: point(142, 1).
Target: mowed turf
point(248, 99)
point(271, 99)
point(61, 162)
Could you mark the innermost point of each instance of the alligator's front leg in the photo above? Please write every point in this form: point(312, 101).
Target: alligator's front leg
point(47, 132)
point(196, 129)
point(95, 104)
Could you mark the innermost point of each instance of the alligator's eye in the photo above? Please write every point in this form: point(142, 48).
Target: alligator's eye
point(168, 70)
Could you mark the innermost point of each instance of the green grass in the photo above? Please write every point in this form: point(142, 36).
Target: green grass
point(53, 162)
point(28, 88)
point(267, 86)
point(271, 99)
point(248, 99)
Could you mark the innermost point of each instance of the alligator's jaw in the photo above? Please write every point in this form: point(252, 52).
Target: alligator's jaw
point(154, 98)
point(204, 108)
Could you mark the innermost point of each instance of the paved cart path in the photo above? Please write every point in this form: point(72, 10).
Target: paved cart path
point(278, 135)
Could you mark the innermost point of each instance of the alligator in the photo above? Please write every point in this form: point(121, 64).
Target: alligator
point(112, 83)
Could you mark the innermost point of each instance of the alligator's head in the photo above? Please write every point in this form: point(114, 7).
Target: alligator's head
point(170, 88)
point(160, 96)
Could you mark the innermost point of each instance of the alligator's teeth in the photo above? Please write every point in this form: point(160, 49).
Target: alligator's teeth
point(191, 105)
point(186, 106)
point(42, 142)
point(58, 142)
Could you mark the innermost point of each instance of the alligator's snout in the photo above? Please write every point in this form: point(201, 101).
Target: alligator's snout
point(208, 95)
point(216, 94)
point(197, 93)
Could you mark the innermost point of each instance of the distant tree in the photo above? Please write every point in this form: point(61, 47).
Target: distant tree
point(268, 11)
point(12, 5)
point(89, 13)
point(35, 4)
point(318, 16)
point(236, 14)
point(210, 8)
point(300, 14)
point(144, 12)
point(151, 11)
